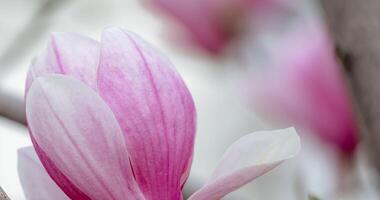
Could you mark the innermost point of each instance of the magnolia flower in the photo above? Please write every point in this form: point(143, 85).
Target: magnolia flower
point(114, 120)
point(212, 24)
point(305, 87)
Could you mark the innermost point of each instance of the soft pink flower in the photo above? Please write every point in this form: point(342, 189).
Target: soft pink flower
point(212, 24)
point(305, 87)
point(114, 120)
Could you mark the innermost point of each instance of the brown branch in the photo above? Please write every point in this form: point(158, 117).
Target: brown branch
point(3, 195)
point(355, 27)
point(12, 107)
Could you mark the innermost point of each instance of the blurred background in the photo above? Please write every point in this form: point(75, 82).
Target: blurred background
point(219, 75)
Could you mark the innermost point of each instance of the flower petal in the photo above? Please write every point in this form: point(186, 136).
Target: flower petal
point(202, 21)
point(214, 24)
point(35, 181)
point(78, 140)
point(67, 53)
point(154, 108)
point(316, 97)
point(248, 158)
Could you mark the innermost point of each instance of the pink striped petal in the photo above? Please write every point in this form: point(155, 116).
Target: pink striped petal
point(67, 53)
point(154, 108)
point(35, 181)
point(78, 140)
point(248, 158)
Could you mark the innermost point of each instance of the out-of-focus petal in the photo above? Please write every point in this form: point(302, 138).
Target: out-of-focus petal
point(248, 158)
point(305, 87)
point(35, 181)
point(78, 140)
point(201, 20)
point(154, 109)
point(67, 53)
point(320, 168)
point(213, 24)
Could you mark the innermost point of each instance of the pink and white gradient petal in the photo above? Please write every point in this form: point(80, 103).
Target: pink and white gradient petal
point(81, 144)
point(70, 54)
point(248, 158)
point(36, 182)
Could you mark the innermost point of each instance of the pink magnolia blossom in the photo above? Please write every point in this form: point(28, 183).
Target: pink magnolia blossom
point(114, 120)
point(305, 87)
point(212, 24)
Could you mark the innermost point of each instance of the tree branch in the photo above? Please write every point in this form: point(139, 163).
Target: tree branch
point(12, 107)
point(3, 195)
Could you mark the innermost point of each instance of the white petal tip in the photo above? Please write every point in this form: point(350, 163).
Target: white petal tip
point(292, 140)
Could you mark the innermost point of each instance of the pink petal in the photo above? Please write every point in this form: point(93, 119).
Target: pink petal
point(35, 181)
point(248, 158)
point(67, 53)
point(78, 140)
point(201, 20)
point(306, 88)
point(213, 24)
point(154, 108)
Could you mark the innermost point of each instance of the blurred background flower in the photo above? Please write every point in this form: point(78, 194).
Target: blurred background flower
point(213, 25)
point(304, 85)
